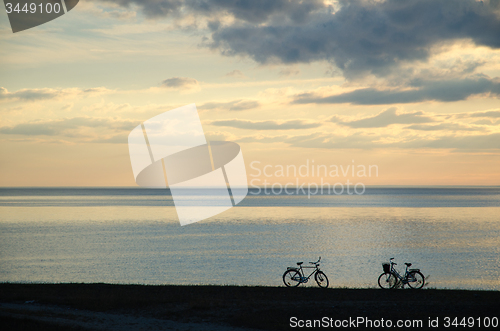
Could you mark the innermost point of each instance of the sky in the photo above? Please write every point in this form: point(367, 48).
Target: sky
point(410, 87)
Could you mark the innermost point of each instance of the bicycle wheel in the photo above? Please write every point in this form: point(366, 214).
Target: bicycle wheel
point(321, 279)
point(416, 280)
point(291, 278)
point(387, 280)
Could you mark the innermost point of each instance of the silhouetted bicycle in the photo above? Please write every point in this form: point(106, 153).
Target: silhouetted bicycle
point(391, 277)
point(294, 276)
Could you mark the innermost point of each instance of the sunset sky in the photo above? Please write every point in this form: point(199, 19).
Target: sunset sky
point(410, 86)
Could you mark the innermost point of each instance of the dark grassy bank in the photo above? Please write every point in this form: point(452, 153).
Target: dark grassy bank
point(267, 308)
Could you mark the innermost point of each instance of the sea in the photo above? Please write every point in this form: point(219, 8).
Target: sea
point(133, 236)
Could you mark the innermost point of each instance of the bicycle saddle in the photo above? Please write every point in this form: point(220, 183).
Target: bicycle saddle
point(408, 264)
point(299, 263)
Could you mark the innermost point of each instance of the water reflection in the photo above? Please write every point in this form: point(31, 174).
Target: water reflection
point(458, 247)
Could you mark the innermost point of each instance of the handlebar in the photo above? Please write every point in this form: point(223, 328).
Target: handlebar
point(316, 261)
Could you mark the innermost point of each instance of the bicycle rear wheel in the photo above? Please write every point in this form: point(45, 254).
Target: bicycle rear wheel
point(387, 280)
point(416, 280)
point(321, 279)
point(291, 278)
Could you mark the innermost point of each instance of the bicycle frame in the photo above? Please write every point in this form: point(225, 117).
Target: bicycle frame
point(404, 279)
point(301, 268)
point(302, 274)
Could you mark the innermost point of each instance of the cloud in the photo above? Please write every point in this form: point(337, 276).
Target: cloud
point(360, 37)
point(68, 126)
point(355, 141)
point(106, 13)
point(255, 11)
point(47, 93)
point(489, 113)
point(218, 136)
point(151, 8)
point(385, 118)
point(236, 105)
point(180, 83)
point(267, 125)
point(289, 72)
point(361, 141)
point(95, 90)
point(317, 140)
point(236, 74)
point(420, 120)
point(262, 139)
point(445, 127)
point(258, 11)
point(363, 37)
point(475, 142)
point(445, 91)
point(486, 122)
point(30, 94)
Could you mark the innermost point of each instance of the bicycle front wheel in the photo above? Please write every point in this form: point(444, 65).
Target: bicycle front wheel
point(416, 280)
point(321, 279)
point(291, 278)
point(387, 280)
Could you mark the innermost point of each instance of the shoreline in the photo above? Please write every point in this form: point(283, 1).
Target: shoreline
point(85, 306)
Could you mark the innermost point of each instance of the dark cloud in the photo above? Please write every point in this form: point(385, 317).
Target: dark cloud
point(385, 118)
point(179, 82)
point(255, 11)
point(67, 126)
point(236, 105)
point(363, 37)
point(266, 125)
point(446, 91)
point(359, 37)
point(152, 8)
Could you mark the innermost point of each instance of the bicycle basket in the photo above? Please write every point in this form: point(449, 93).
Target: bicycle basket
point(387, 267)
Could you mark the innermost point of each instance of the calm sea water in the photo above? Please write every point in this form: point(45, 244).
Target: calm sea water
point(133, 236)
